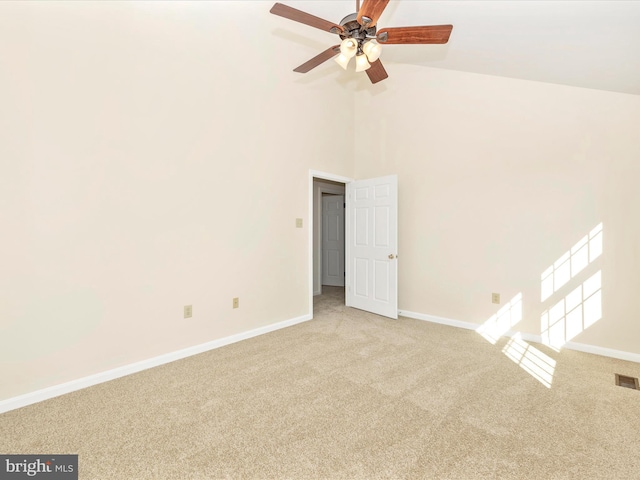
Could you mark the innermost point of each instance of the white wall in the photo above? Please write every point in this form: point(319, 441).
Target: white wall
point(146, 165)
point(497, 179)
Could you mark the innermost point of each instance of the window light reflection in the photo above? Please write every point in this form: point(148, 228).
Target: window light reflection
point(576, 312)
point(500, 323)
point(537, 364)
point(572, 262)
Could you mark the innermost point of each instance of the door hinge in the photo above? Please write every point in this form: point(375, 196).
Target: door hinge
point(344, 205)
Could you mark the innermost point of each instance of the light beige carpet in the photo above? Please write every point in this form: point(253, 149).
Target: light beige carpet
point(348, 395)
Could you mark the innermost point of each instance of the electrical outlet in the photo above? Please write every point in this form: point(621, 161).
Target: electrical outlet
point(236, 302)
point(298, 223)
point(188, 311)
point(495, 298)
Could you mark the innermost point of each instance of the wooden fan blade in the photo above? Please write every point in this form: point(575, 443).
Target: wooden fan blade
point(406, 35)
point(377, 72)
point(304, 17)
point(318, 59)
point(372, 9)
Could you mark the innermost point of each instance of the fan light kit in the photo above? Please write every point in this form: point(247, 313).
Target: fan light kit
point(360, 37)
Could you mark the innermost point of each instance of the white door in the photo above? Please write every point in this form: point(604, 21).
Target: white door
point(333, 240)
point(372, 245)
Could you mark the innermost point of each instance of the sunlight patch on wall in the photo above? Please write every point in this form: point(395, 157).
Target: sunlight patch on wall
point(571, 263)
point(530, 359)
point(573, 314)
point(500, 323)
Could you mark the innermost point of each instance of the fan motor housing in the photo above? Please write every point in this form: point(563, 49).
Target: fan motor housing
point(352, 29)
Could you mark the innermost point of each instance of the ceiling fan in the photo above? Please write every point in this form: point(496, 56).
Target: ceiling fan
point(361, 38)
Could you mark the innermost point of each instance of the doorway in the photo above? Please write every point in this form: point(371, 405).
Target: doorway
point(328, 233)
point(370, 241)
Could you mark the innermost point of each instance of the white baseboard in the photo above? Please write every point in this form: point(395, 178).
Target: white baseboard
point(529, 337)
point(73, 385)
point(441, 320)
point(605, 352)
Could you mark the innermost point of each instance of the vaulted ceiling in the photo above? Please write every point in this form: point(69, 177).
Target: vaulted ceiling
point(590, 44)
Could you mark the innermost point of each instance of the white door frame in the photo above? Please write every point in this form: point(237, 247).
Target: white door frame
point(320, 176)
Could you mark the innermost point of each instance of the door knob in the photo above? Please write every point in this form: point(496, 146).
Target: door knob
point(391, 256)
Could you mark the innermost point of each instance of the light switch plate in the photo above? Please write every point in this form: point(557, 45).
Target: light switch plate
point(298, 223)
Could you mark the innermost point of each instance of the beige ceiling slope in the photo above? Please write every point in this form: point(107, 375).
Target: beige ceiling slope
point(588, 44)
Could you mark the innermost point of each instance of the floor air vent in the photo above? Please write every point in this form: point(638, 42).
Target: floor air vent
point(627, 382)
